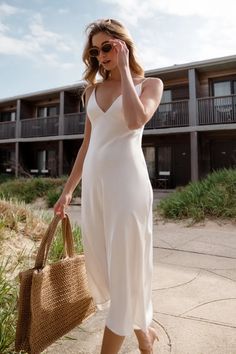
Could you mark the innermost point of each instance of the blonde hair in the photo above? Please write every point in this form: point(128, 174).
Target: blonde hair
point(117, 30)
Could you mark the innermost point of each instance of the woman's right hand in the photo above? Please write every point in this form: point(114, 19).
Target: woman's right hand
point(61, 204)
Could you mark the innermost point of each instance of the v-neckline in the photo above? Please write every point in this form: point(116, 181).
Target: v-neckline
point(104, 112)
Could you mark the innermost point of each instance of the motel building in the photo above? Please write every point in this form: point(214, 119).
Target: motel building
point(192, 133)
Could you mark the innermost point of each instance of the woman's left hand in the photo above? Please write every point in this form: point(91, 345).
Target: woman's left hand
point(122, 53)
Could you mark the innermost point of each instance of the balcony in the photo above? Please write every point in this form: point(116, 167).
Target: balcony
point(37, 127)
point(217, 110)
point(74, 123)
point(7, 130)
point(170, 114)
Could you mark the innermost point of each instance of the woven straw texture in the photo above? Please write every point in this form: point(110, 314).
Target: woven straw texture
point(53, 298)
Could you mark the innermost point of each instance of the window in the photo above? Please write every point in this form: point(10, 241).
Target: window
point(149, 154)
point(48, 111)
point(164, 159)
point(8, 116)
point(42, 160)
point(52, 111)
point(42, 111)
point(222, 105)
point(165, 105)
point(222, 88)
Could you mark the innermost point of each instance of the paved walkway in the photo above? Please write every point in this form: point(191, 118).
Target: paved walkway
point(194, 294)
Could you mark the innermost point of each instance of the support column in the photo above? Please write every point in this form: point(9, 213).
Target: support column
point(193, 119)
point(17, 159)
point(17, 136)
point(60, 158)
point(61, 113)
point(194, 156)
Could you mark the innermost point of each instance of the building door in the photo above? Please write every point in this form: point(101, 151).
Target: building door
point(150, 158)
point(181, 165)
point(223, 154)
point(164, 170)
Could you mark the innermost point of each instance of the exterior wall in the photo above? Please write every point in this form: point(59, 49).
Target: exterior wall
point(185, 139)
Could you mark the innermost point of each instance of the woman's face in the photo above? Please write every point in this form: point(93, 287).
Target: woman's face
point(107, 59)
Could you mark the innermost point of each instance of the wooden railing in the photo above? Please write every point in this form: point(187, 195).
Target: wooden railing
point(217, 110)
point(34, 127)
point(74, 123)
point(211, 110)
point(171, 114)
point(7, 130)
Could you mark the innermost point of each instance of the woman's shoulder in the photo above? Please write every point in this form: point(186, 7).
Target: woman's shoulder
point(153, 81)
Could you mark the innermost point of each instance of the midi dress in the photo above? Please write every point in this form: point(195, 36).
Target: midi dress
point(116, 219)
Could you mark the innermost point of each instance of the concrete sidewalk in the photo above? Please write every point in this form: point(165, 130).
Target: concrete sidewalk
point(194, 294)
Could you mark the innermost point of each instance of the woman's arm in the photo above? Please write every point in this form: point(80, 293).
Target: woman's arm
point(76, 173)
point(139, 110)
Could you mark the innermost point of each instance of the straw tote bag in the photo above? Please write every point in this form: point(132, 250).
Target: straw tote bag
point(53, 298)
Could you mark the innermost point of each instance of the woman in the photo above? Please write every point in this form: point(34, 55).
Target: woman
point(117, 196)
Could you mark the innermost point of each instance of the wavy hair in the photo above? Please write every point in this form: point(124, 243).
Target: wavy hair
point(117, 30)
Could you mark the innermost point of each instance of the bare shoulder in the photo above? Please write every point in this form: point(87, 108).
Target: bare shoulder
point(88, 90)
point(154, 83)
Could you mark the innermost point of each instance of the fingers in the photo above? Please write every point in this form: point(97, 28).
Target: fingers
point(118, 42)
point(60, 210)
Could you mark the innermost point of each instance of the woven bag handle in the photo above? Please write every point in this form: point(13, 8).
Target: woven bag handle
point(46, 241)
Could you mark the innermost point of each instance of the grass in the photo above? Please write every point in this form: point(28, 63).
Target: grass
point(8, 300)
point(29, 189)
point(17, 219)
point(212, 197)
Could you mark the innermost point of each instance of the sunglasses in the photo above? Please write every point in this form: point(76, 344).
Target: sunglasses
point(105, 48)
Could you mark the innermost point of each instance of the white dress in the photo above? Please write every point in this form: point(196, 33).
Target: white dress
point(116, 219)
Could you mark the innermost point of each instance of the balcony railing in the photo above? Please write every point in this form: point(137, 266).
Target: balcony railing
point(211, 110)
point(34, 127)
point(74, 123)
point(217, 110)
point(7, 130)
point(171, 114)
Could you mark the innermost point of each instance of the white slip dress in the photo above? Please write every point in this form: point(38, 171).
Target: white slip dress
point(116, 219)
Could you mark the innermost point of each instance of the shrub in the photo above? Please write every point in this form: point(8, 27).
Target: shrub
point(28, 189)
point(214, 196)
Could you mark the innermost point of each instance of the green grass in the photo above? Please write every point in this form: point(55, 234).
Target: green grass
point(8, 300)
point(29, 189)
point(212, 197)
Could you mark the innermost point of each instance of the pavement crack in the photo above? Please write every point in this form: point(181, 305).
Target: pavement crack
point(206, 303)
point(195, 252)
point(220, 275)
point(198, 319)
point(166, 332)
point(182, 284)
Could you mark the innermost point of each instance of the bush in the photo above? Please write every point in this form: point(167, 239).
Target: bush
point(214, 196)
point(28, 189)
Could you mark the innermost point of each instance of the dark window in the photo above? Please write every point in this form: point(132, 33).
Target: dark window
point(52, 111)
point(42, 112)
point(7, 116)
point(48, 111)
